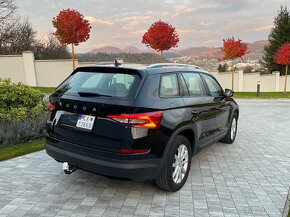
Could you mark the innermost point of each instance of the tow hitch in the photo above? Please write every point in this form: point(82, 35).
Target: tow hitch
point(67, 168)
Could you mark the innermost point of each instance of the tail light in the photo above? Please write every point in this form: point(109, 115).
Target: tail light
point(143, 120)
point(51, 106)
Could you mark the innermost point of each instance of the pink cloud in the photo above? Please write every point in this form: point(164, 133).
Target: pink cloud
point(206, 23)
point(263, 28)
point(211, 41)
point(93, 20)
point(135, 21)
point(181, 9)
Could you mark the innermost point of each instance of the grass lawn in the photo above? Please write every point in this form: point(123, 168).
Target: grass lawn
point(21, 149)
point(45, 89)
point(263, 95)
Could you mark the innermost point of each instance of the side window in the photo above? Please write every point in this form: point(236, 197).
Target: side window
point(194, 84)
point(213, 86)
point(169, 85)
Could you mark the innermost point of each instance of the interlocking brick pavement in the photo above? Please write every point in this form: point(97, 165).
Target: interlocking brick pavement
point(248, 178)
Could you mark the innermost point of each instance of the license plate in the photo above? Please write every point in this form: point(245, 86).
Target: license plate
point(86, 122)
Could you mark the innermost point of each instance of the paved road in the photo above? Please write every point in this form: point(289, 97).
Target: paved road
point(248, 178)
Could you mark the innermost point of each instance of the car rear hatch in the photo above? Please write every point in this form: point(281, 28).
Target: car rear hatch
point(81, 105)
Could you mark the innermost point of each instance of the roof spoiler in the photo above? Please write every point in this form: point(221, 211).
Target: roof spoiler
point(117, 62)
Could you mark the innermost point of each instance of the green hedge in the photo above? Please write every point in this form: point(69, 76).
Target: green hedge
point(22, 113)
point(18, 101)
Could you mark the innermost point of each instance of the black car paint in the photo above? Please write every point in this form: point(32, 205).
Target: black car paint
point(204, 120)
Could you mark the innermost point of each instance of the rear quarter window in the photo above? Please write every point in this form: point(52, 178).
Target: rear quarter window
point(169, 86)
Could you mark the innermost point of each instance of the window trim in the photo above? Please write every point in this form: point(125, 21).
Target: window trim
point(177, 82)
point(182, 84)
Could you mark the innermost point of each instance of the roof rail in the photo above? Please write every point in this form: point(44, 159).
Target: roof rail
point(165, 65)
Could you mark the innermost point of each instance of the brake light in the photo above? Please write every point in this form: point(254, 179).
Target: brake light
point(51, 106)
point(143, 120)
point(134, 151)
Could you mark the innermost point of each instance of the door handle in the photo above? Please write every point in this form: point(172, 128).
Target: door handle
point(194, 112)
point(216, 108)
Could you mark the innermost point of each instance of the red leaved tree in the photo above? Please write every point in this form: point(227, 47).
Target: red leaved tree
point(233, 49)
point(161, 36)
point(282, 57)
point(71, 28)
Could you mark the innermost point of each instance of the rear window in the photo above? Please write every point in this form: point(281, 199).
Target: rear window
point(98, 84)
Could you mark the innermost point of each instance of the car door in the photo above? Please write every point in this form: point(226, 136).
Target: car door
point(199, 106)
point(221, 106)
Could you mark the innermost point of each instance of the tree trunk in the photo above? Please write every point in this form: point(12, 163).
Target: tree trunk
point(73, 56)
point(162, 58)
point(286, 75)
point(233, 74)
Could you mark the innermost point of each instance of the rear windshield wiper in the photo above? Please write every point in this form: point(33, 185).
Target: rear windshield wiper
point(91, 94)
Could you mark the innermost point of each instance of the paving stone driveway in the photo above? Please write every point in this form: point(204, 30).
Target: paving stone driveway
point(248, 178)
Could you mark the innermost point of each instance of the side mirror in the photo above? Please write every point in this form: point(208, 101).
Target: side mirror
point(229, 92)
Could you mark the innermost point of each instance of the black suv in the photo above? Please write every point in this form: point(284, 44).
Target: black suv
point(139, 123)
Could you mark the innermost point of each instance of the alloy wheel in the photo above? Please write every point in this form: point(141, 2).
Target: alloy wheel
point(233, 128)
point(180, 164)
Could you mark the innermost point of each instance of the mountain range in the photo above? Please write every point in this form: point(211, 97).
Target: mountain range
point(116, 50)
point(255, 51)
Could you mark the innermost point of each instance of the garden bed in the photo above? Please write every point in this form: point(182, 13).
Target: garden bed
point(17, 131)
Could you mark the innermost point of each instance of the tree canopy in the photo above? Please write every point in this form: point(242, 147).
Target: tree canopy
point(18, 35)
point(7, 8)
point(233, 48)
point(161, 36)
point(71, 27)
point(223, 68)
point(279, 34)
point(282, 57)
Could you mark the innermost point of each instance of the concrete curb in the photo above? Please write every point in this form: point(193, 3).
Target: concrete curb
point(263, 100)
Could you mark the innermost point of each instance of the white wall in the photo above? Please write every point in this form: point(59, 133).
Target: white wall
point(282, 83)
point(225, 79)
point(12, 67)
point(250, 82)
point(268, 83)
point(80, 64)
point(50, 73)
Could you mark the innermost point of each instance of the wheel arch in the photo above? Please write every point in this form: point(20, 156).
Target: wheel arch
point(189, 131)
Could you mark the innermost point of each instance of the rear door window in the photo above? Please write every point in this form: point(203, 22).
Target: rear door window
point(107, 84)
point(194, 84)
point(169, 86)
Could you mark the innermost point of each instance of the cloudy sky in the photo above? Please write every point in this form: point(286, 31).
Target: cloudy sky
point(122, 23)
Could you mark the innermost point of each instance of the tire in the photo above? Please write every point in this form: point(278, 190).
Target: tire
point(232, 131)
point(173, 177)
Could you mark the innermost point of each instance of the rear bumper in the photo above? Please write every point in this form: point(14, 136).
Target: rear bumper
point(140, 170)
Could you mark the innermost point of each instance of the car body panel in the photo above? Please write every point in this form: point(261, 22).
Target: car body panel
point(205, 118)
